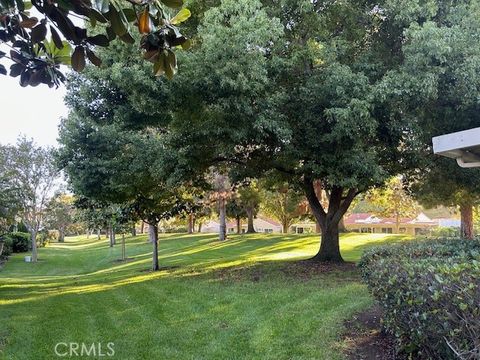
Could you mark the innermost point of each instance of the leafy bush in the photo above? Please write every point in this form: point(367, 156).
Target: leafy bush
point(7, 247)
point(20, 241)
point(46, 236)
point(430, 294)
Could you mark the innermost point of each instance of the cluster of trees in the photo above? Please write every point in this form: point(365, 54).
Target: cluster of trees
point(330, 97)
point(28, 179)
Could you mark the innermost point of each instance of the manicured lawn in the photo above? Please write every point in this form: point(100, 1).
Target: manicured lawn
point(232, 300)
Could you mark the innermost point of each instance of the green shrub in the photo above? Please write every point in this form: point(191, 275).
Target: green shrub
point(430, 294)
point(7, 247)
point(46, 236)
point(20, 241)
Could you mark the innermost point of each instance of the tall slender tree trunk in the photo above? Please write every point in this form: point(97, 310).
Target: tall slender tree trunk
point(151, 231)
point(142, 228)
point(134, 230)
point(285, 226)
point(250, 227)
point(61, 235)
point(34, 246)
point(239, 225)
point(112, 237)
point(466, 226)
point(99, 233)
point(124, 249)
point(190, 223)
point(200, 227)
point(397, 224)
point(155, 266)
point(223, 219)
point(338, 204)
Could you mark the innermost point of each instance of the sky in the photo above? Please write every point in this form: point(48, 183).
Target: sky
point(34, 112)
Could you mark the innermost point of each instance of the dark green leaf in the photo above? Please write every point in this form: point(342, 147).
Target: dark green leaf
point(94, 59)
point(130, 14)
point(95, 14)
point(16, 69)
point(127, 38)
point(38, 33)
point(100, 40)
point(116, 21)
point(111, 34)
point(78, 59)
point(56, 38)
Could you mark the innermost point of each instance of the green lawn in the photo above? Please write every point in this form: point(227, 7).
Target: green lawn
point(232, 300)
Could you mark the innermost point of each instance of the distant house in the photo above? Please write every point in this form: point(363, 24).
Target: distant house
point(260, 224)
point(303, 227)
point(369, 223)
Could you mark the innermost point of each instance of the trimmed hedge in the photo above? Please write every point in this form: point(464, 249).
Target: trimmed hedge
point(430, 293)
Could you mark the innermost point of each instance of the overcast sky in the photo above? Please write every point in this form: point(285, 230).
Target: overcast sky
point(34, 112)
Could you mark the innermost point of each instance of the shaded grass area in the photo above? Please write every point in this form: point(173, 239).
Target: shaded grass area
point(240, 299)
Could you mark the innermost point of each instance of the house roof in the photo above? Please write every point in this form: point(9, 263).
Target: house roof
point(370, 219)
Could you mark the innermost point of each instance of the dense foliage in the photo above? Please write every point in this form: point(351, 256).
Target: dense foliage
point(430, 295)
point(16, 242)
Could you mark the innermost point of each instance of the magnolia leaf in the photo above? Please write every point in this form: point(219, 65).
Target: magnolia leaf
point(116, 21)
point(100, 40)
point(56, 38)
point(181, 16)
point(144, 22)
point(187, 44)
point(78, 59)
point(38, 33)
point(94, 59)
point(29, 22)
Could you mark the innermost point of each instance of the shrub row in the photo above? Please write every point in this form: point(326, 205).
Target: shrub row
point(430, 294)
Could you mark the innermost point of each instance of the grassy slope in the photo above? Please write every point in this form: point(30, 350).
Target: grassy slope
point(198, 310)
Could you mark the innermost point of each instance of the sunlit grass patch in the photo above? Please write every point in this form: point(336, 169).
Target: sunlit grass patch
point(213, 300)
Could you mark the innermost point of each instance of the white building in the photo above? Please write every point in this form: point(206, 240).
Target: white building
point(260, 224)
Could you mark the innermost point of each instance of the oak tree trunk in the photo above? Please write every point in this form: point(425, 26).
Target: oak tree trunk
point(200, 227)
point(134, 231)
point(329, 245)
point(250, 227)
point(142, 228)
point(340, 200)
point(223, 219)
point(341, 226)
point(466, 226)
point(285, 227)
